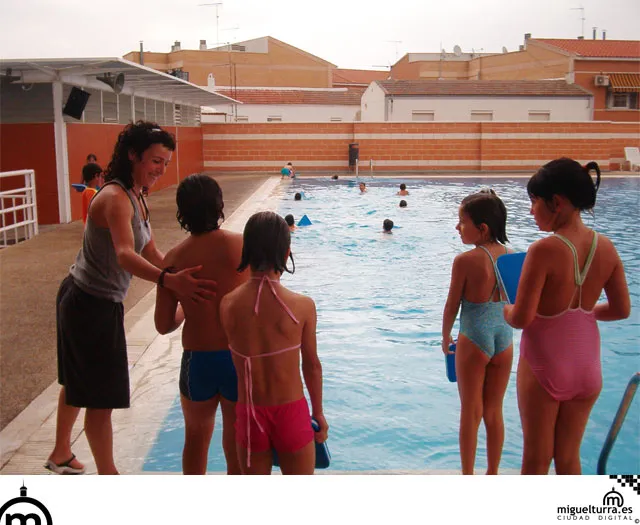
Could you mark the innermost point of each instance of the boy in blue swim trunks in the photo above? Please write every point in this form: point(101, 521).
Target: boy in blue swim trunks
point(207, 375)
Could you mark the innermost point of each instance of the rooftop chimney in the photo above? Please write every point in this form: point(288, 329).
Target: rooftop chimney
point(175, 46)
point(141, 53)
point(604, 34)
point(527, 36)
point(581, 38)
point(521, 48)
point(594, 32)
point(203, 45)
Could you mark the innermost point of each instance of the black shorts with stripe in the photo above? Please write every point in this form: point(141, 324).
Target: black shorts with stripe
point(92, 349)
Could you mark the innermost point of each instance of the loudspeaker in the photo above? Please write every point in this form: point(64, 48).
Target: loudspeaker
point(76, 103)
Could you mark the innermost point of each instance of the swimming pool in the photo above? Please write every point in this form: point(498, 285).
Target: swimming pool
point(380, 299)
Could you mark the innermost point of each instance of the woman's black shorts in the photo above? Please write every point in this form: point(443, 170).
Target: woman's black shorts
point(92, 350)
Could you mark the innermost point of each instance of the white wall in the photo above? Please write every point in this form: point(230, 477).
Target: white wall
point(458, 108)
point(373, 104)
point(288, 112)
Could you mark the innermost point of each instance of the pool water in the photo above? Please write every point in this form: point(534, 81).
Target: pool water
point(380, 299)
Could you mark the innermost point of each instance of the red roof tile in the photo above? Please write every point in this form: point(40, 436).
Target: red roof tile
point(358, 76)
point(335, 97)
point(522, 88)
point(595, 48)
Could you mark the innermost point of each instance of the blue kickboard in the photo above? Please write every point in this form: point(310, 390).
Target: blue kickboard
point(323, 456)
point(79, 187)
point(451, 364)
point(509, 270)
point(304, 221)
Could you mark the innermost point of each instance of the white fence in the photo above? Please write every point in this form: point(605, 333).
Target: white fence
point(18, 209)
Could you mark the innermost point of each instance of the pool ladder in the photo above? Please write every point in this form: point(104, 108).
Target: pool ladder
point(629, 392)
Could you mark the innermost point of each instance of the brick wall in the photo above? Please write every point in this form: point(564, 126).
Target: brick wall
point(424, 146)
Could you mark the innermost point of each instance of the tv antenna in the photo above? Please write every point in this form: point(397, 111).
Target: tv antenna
point(396, 42)
point(582, 18)
point(457, 51)
point(216, 5)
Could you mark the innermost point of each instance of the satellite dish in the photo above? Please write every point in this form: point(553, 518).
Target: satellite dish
point(115, 82)
point(504, 49)
point(457, 51)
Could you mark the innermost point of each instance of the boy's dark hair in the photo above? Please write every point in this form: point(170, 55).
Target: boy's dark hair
point(403, 186)
point(568, 178)
point(200, 204)
point(289, 220)
point(403, 203)
point(297, 197)
point(91, 158)
point(289, 164)
point(89, 172)
point(387, 225)
point(334, 177)
point(266, 239)
point(138, 137)
point(485, 207)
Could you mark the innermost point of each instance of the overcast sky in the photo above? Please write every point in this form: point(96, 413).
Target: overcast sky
point(349, 33)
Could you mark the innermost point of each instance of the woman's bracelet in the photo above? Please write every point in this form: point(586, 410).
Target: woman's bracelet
point(168, 269)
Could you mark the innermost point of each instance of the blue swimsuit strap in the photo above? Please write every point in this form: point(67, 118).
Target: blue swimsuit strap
point(498, 285)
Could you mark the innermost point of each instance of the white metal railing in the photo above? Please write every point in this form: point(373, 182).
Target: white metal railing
point(18, 209)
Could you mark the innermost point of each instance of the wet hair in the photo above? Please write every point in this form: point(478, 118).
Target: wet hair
point(568, 178)
point(289, 220)
point(362, 184)
point(91, 158)
point(200, 204)
point(90, 171)
point(266, 239)
point(297, 197)
point(289, 164)
point(138, 137)
point(403, 186)
point(403, 203)
point(334, 177)
point(387, 225)
point(485, 207)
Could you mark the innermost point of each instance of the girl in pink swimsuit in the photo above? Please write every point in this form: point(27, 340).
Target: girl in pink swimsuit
point(270, 329)
point(559, 371)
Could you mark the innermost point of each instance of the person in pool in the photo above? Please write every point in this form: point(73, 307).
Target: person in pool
point(484, 351)
point(403, 203)
point(387, 226)
point(291, 222)
point(403, 190)
point(363, 187)
point(270, 331)
point(207, 375)
point(563, 276)
point(297, 197)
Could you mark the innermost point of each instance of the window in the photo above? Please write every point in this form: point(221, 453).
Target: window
point(335, 119)
point(623, 100)
point(423, 116)
point(539, 115)
point(274, 118)
point(482, 115)
point(242, 118)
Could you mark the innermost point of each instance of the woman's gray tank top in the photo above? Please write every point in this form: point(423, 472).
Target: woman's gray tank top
point(96, 270)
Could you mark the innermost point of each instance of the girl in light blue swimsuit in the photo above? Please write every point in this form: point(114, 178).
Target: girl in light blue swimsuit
point(484, 351)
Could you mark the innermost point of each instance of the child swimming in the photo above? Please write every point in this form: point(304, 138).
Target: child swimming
point(559, 370)
point(484, 351)
point(270, 330)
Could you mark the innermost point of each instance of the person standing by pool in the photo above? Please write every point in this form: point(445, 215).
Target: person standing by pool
point(563, 276)
point(484, 351)
point(288, 171)
point(270, 329)
point(118, 242)
point(92, 178)
point(207, 375)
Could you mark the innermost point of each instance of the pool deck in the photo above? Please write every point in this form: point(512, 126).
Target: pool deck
point(28, 396)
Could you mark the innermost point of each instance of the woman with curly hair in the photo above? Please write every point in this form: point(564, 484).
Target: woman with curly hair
point(207, 375)
point(118, 243)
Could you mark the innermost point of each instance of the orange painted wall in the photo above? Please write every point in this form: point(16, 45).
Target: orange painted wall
point(100, 139)
point(32, 146)
point(478, 146)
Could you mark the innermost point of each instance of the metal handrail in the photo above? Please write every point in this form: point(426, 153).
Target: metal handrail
point(629, 392)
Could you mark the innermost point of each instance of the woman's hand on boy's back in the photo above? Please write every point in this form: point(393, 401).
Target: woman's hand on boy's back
point(184, 284)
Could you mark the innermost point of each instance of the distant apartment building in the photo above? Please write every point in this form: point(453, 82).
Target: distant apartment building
point(475, 100)
point(608, 69)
